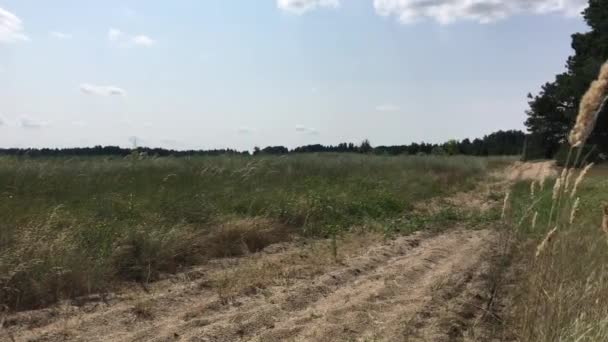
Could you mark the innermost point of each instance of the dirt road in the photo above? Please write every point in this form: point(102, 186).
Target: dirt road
point(422, 287)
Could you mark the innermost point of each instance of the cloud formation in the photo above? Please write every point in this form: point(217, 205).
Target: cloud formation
point(303, 6)
point(60, 35)
point(11, 28)
point(482, 11)
point(114, 34)
point(29, 123)
point(118, 36)
point(143, 40)
point(92, 89)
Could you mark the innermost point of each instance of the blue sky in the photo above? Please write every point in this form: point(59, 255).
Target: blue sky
point(233, 73)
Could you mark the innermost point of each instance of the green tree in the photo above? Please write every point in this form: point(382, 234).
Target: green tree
point(451, 147)
point(553, 111)
point(366, 146)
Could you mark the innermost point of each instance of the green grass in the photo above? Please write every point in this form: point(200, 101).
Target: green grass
point(563, 294)
point(71, 227)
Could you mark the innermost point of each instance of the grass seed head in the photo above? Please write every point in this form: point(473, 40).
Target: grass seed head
point(541, 183)
point(579, 179)
point(546, 242)
point(574, 210)
point(506, 206)
point(590, 106)
point(556, 187)
point(534, 219)
point(532, 189)
point(568, 178)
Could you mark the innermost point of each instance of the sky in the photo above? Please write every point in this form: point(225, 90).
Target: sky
point(191, 74)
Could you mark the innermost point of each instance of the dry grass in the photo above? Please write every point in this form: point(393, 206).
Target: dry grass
point(590, 106)
point(563, 289)
point(311, 258)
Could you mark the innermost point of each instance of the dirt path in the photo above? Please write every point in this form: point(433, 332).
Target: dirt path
point(412, 288)
point(420, 287)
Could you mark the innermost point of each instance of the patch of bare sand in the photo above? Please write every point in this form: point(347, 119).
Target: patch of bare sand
point(531, 171)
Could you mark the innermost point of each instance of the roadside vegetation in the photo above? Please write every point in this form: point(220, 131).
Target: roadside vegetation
point(561, 294)
point(74, 226)
point(563, 230)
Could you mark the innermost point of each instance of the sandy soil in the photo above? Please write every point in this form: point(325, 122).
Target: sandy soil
point(531, 171)
point(421, 287)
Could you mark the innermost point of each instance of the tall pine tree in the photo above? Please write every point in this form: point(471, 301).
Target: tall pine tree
point(553, 111)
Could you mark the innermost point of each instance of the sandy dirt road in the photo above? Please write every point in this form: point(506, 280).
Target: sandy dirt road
point(418, 288)
point(422, 287)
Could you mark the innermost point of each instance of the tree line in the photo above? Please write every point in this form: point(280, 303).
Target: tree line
point(498, 143)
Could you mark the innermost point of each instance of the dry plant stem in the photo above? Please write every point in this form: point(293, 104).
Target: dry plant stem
point(605, 220)
point(534, 219)
point(562, 191)
point(546, 241)
point(528, 212)
point(554, 195)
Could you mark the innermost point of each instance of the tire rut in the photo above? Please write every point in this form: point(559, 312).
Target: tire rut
point(398, 290)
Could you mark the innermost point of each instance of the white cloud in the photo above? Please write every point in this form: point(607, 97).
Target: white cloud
point(60, 35)
point(114, 34)
point(143, 40)
point(118, 36)
point(11, 28)
point(29, 123)
point(303, 6)
point(387, 108)
point(92, 89)
point(482, 11)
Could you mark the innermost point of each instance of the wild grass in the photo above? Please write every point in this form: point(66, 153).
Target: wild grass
point(563, 292)
point(74, 226)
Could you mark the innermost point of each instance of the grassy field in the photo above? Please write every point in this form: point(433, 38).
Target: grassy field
point(71, 227)
point(562, 295)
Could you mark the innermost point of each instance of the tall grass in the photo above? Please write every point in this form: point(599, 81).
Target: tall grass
point(74, 226)
point(562, 294)
point(564, 290)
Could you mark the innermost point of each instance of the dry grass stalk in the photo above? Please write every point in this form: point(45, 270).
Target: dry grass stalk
point(547, 240)
point(541, 183)
point(568, 178)
point(506, 206)
point(605, 219)
point(556, 188)
point(580, 179)
point(532, 189)
point(574, 210)
point(534, 219)
point(589, 108)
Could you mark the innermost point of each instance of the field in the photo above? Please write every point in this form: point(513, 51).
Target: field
point(337, 247)
point(73, 227)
